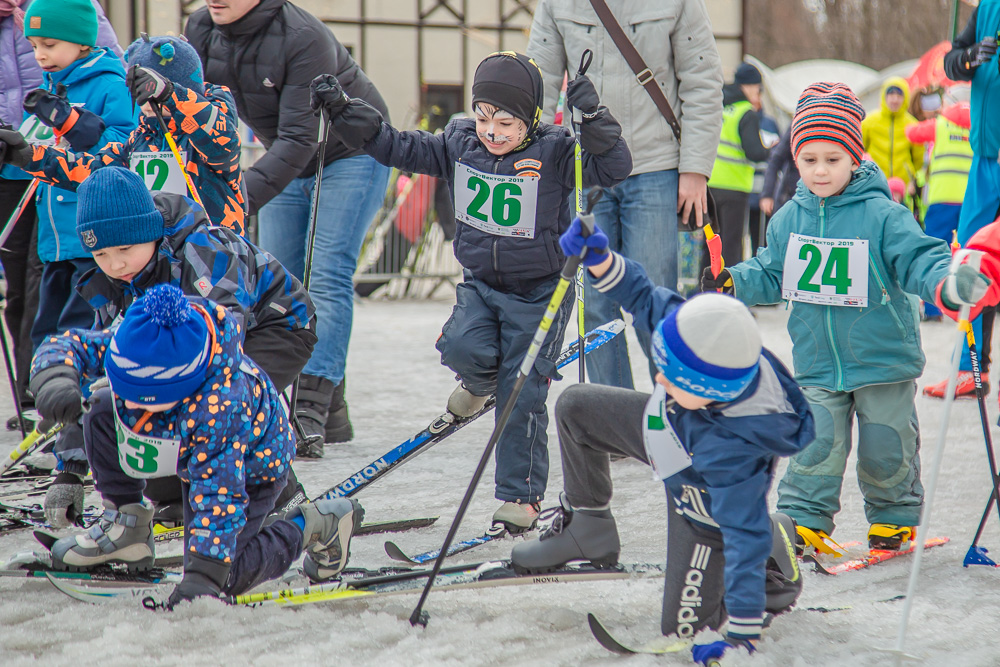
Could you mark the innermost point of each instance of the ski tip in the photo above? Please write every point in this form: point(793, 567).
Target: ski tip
point(395, 553)
point(604, 637)
point(977, 556)
point(45, 538)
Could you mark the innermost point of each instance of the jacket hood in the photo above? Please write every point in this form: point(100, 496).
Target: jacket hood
point(254, 21)
point(900, 83)
point(732, 93)
point(867, 182)
point(100, 61)
point(958, 114)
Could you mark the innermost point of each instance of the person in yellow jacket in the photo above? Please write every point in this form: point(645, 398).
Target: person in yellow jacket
point(884, 134)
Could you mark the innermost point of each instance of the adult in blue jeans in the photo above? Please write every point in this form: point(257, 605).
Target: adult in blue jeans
point(639, 215)
point(267, 52)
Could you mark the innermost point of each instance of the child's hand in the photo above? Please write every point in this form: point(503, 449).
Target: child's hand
point(573, 242)
point(709, 654)
point(57, 395)
point(710, 283)
point(146, 85)
point(14, 149)
point(53, 109)
point(965, 285)
point(581, 94)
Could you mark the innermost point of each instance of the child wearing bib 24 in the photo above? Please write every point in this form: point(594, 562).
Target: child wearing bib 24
point(845, 256)
point(200, 116)
point(511, 176)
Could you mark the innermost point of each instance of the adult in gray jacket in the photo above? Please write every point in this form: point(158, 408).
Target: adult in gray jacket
point(674, 38)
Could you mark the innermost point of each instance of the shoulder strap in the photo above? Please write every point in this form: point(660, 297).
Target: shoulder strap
point(642, 73)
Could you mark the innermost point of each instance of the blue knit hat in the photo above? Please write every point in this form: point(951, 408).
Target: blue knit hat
point(709, 347)
point(115, 208)
point(161, 350)
point(172, 57)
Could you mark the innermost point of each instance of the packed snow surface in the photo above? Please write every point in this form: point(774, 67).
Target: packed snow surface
point(396, 385)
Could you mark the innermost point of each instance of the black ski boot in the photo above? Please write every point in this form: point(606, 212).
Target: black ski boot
point(585, 535)
point(784, 580)
point(312, 406)
point(338, 423)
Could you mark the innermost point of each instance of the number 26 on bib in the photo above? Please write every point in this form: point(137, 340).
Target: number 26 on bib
point(497, 204)
point(825, 271)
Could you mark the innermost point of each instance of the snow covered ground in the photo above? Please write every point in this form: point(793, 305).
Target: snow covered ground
point(396, 386)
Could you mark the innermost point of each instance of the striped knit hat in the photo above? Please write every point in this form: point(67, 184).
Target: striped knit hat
point(828, 112)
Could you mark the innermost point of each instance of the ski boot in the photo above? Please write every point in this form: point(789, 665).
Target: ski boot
point(890, 537)
point(462, 404)
point(338, 422)
point(515, 518)
point(809, 541)
point(326, 538)
point(588, 535)
point(312, 407)
point(123, 535)
point(784, 581)
point(965, 388)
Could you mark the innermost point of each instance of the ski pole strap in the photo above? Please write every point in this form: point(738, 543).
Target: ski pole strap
point(714, 243)
point(176, 153)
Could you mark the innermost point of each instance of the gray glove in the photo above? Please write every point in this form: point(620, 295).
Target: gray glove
point(964, 286)
point(64, 500)
point(14, 149)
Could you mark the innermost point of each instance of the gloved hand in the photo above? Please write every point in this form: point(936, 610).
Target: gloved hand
point(53, 109)
point(64, 500)
point(81, 128)
point(202, 577)
point(356, 124)
point(14, 149)
point(145, 85)
point(710, 283)
point(57, 395)
point(325, 92)
point(964, 286)
point(572, 243)
point(977, 54)
point(581, 94)
point(707, 654)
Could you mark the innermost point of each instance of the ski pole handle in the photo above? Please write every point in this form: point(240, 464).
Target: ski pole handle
point(586, 58)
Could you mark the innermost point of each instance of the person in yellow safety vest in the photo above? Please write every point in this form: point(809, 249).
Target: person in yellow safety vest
point(950, 161)
point(740, 146)
point(884, 134)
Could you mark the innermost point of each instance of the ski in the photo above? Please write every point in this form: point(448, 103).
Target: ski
point(103, 574)
point(658, 646)
point(873, 557)
point(395, 553)
point(34, 441)
point(162, 533)
point(440, 428)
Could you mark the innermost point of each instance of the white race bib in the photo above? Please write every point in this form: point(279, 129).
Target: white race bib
point(494, 203)
point(829, 272)
point(35, 131)
point(663, 447)
point(160, 171)
point(143, 456)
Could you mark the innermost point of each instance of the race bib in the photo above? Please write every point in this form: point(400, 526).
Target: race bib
point(35, 131)
point(829, 272)
point(143, 456)
point(494, 203)
point(663, 447)
point(160, 171)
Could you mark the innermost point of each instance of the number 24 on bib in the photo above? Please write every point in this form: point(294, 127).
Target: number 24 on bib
point(828, 272)
point(497, 204)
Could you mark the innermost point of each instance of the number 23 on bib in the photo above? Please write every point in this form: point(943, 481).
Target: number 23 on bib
point(828, 272)
point(497, 204)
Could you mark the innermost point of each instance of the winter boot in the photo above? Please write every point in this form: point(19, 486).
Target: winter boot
point(338, 423)
point(784, 581)
point(966, 387)
point(123, 535)
point(575, 534)
point(808, 540)
point(515, 518)
point(326, 538)
point(312, 406)
point(890, 537)
point(463, 404)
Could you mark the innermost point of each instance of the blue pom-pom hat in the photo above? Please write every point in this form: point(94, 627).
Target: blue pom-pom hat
point(172, 57)
point(162, 349)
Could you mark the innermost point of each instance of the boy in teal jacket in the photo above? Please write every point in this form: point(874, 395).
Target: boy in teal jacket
point(845, 255)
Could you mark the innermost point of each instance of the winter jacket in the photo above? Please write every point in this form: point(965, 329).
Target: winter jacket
point(233, 430)
point(267, 59)
point(674, 38)
point(950, 158)
point(211, 262)
point(734, 447)
point(98, 83)
point(843, 348)
point(21, 74)
point(204, 126)
point(984, 135)
point(884, 137)
point(506, 263)
point(782, 175)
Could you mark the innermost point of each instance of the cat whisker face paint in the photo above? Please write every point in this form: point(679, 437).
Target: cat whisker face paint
point(498, 130)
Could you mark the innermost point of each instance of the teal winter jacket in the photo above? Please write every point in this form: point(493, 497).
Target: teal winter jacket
point(843, 348)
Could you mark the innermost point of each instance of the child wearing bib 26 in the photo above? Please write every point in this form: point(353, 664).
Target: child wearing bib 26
point(511, 176)
point(845, 256)
point(201, 117)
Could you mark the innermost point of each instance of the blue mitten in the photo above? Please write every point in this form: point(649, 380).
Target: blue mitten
point(704, 654)
point(573, 242)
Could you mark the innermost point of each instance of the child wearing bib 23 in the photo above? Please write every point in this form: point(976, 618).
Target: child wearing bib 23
point(510, 177)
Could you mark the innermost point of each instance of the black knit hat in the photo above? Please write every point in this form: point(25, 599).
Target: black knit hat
point(512, 82)
point(747, 74)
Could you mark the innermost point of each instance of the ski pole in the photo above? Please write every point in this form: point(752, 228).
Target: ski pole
point(30, 442)
point(419, 617)
point(157, 110)
point(8, 228)
point(581, 328)
point(925, 515)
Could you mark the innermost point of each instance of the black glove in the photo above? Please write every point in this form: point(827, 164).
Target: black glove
point(53, 109)
point(581, 94)
point(57, 394)
point(202, 577)
point(14, 149)
point(145, 85)
point(977, 54)
point(325, 92)
point(357, 124)
point(64, 500)
point(710, 283)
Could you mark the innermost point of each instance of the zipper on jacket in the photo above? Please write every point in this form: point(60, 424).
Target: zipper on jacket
point(52, 222)
point(496, 239)
point(886, 299)
point(838, 368)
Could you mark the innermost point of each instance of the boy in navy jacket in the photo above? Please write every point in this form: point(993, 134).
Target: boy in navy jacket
point(723, 411)
point(510, 177)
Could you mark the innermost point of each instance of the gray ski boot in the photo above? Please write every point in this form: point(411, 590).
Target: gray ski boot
point(463, 403)
point(588, 535)
point(123, 535)
point(326, 538)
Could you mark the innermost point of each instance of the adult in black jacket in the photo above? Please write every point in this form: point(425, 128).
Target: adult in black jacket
point(781, 176)
point(267, 52)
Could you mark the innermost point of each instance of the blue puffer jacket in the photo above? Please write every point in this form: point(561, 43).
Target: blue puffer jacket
point(508, 264)
point(843, 348)
point(734, 447)
point(98, 83)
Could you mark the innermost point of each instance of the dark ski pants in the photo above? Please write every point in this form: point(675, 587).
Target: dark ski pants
point(60, 307)
point(484, 342)
point(261, 553)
